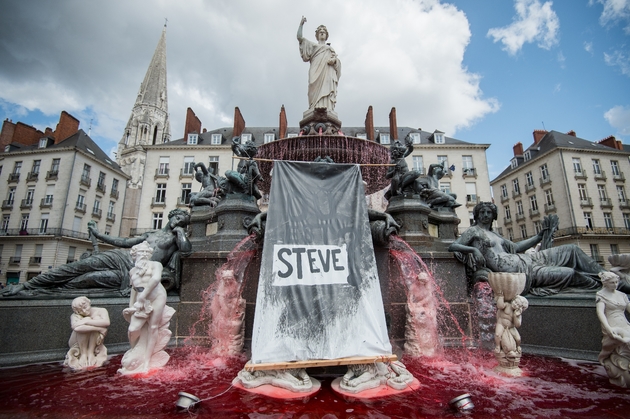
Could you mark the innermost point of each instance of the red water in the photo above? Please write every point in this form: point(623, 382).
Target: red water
point(553, 388)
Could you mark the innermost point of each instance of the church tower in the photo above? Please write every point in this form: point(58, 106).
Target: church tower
point(148, 125)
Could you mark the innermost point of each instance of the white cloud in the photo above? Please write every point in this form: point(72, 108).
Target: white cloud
point(615, 10)
point(618, 59)
point(535, 22)
point(619, 118)
point(588, 47)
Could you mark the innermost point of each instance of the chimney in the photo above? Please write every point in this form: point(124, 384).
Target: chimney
point(393, 125)
point(538, 135)
point(518, 149)
point(239, 123)
point(572, 133)
point(611, 142)
point(369, 124)
point(283, 123)
point(193, 124)
point(6, 135)
point(68, 125)
point(25, 134)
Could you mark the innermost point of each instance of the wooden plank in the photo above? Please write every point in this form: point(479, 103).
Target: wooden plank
point(320, 362)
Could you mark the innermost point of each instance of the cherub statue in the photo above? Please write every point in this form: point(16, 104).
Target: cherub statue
point(430, 189)
point(402, 179)
point(210, 194)
point(509, 318)
point(244, 180)
point(89, 327)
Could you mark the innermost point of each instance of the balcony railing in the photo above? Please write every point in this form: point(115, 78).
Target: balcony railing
point(100, 187)
point(504, 198)
point(529, 188)
point(520, 217)
point(14, 260)
point(544, 181)
point(471, 200)
point(86, 181)
point(624, 204)
point(550, 208)
point(56, 232)
point(46, 202)
point(97, 212)
point(52, 174)
point(469, 172)
point(26, 203)
point(598, 258)
point(534, 212)
point(619, 178)
point(35, 260)
point(32, 176)
point(600, 176)
point(114, 193)
point(111, 217)
point(161, 173)
point(7, 204)
point(586, 202)
point(182, 202)
point(184, 174)
point(574, 231)
point(507, 220)
point(79, 207)
point(14, 177)
point(516, 193)
point(581, 175)
point(605, 203)
point(158, 202)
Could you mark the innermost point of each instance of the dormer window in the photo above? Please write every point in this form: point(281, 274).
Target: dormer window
point(362, 136)
point(527, 155)
point(291, 135)
point(193, 138)
point(43, 142)
point(216, 139)
point(415, 137)
point(438, 137)
point(245, 138)
point(269, 137)
point(384, 138)
point(7, 148)
point(513, 163)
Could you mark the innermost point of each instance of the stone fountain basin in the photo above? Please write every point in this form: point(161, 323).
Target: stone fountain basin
point(510, 284)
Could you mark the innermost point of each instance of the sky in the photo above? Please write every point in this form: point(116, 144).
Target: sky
point(482, 71)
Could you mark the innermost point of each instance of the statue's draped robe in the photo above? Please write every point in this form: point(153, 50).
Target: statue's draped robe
point(322, 77)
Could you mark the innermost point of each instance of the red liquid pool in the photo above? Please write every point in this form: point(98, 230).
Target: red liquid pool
point(552, 388)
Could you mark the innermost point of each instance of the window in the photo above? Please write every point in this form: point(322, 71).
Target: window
point(160, 195)
point(597, 169)
point(614, 249)
point(36, 165)
point(577, 166)
point(514, 163)
point(157, 220)
point(5, 222)
point(245, 138)
point(11, 195)
point(537, 227)
point(24, 222)
point(86, 172)
point(215, 139)
point(548, 197)
point(186, 189)
point(516, 187)
point(384, 138)
point(527, 155)
point(361, 135)
point(467, 164)
point(582, 192)
point(471, 192)
point(601, 191)
point(101, 181)
point(438, 137)
point(533, 203)
point(269, 137)
point(72, 251)
point(114, 186)
point(293, 134)
point(443, 160)
point(97, 207)
point(418, 164)
point(510, 233)
point(471, 218)
point(80, 202)
point(594, 251)
point(614, 167)
point(43, 142)
point(415, 137)
point(193, 138)
point(189, 164)
point(529, 179)
point(445, 187)
point(621, 193)
point(163, 166)
point(508, 213)
point(17, 167)
point(54, 167)
point(588, 220)
point(544, 172)
point(523, 231)
point(504, 191)
point(519, 207)
point(608, 221)
point(626, 221)
point(30, 192)
point(213, 163)
point(108, 230)
point(110, 209)
point(18, 252)
point(43, 224)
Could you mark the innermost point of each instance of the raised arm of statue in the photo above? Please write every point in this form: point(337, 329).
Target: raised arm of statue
point(299, 32)
point(115, 241)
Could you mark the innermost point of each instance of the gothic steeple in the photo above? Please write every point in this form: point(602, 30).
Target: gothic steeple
point(148, 123)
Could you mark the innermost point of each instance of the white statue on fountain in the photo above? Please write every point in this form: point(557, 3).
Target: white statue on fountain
point(361, 377)
point(89, 327)
point(148, 315)
point(611, 306)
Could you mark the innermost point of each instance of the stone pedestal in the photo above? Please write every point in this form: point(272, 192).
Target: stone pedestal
point(320, 119)
point(221, 228)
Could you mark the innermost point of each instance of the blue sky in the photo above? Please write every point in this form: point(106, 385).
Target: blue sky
point(486, 71)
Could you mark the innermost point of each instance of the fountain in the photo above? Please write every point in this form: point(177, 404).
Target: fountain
point(423, 314)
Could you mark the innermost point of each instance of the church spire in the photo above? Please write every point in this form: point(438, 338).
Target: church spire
point(153, 88)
